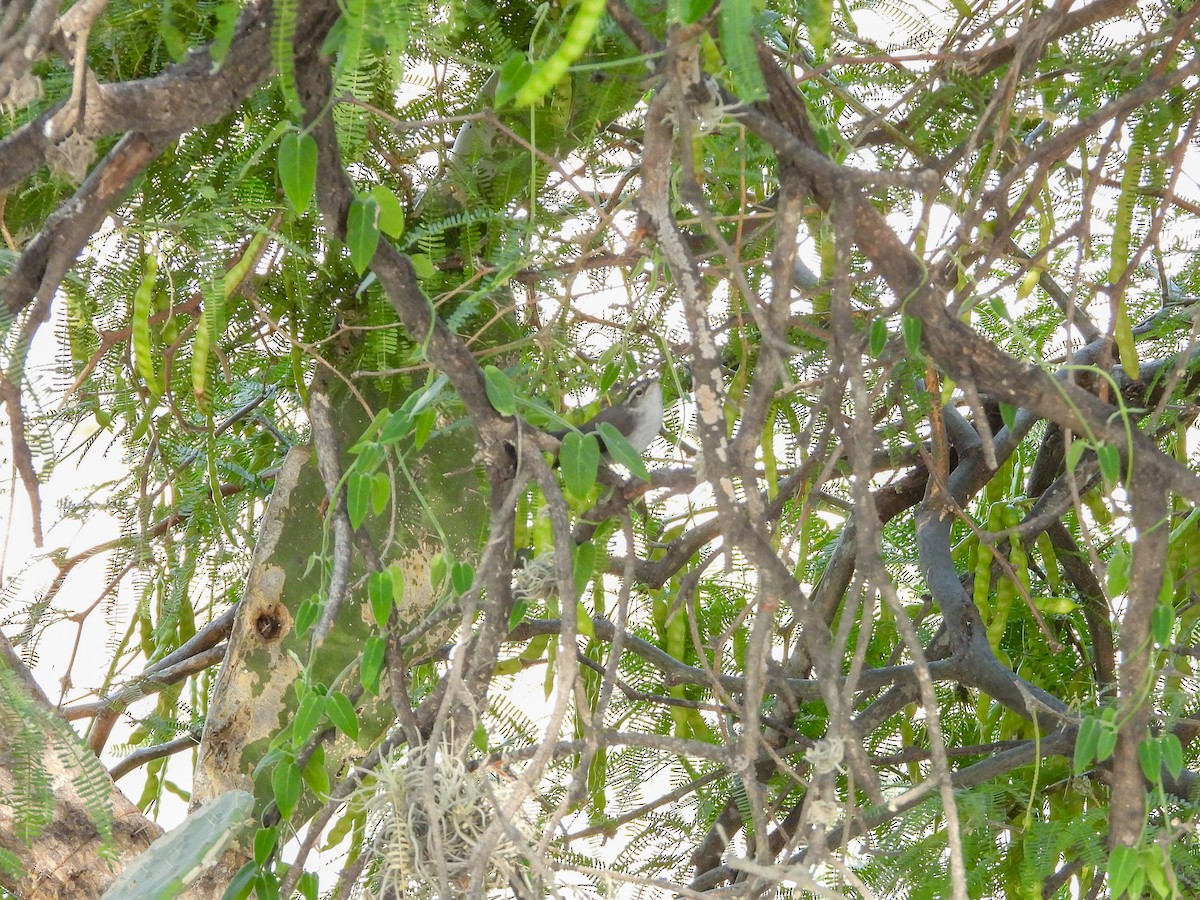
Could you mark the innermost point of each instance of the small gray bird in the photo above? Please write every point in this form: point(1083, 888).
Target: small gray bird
point(639, 416)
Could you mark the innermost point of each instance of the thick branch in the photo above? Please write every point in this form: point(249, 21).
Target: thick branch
point(957, 349)
point(179, 98)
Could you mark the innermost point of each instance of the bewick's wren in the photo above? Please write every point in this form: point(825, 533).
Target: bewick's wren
point(639, 416)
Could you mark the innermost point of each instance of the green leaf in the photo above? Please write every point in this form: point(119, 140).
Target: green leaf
point(1172, 753)
point(511, 77)
point(372, 662)
point(316, 776)
point(269, 760)
point(286, 782)
point(479, 738)
point(583, 620)
point(424, 423)
point(336, 39)
point(439, 568)
point(1136, 882)
point(308, 714)
point(1106, 743)
point(1152, 866)
point(1123, 862)
point(583, 565)
point(372, 430)
point(264, 842)
point(619, 448)
point(1110, 463)
point(1118, 573)
point(911, 326)
point(579, 459)
point(879, 335)
point(499, 391)
point(309, 886)
point(612, 371)
point(266, 886)
point(422, 265)
point(1162, 621)
point(1150, 756)
point(1008, 415)
point(1166, 590)
point(397, 584)
point(398, 424)
point(391, 213)
point(358, 498)
point(462, 576)
point(371, 456)
point(173, 39)
point(307, 614)
point(692, 11)
point(381, 492)
point(241, 885)
point(1074, 452)
point(298, 169)
point(362, 231)
point(341, 713)
point(517, 616)
point(379, 593)
point(1085, 744)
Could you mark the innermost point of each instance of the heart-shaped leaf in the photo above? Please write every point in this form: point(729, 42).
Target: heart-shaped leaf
point(298, 169)
point(362, 231)
point(391, 213)
point(579, 459)
point(499, 391)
